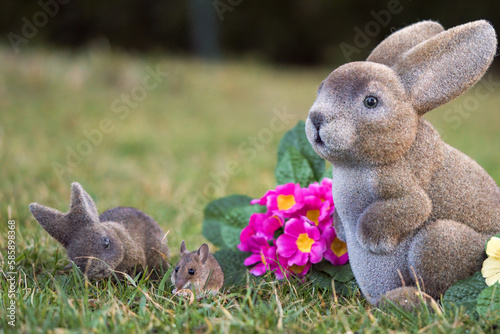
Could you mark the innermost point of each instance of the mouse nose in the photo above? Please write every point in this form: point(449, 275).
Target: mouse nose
point(317, 119)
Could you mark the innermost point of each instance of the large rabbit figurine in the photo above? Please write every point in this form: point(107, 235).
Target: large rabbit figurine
point(412, 209)
point(120, 240)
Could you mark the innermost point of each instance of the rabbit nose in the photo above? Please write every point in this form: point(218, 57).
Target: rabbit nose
point(317, 119)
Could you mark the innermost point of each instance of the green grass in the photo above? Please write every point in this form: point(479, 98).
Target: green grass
point(161, 159)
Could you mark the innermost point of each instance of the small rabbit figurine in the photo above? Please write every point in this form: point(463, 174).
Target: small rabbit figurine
point(198, 271)
point(119, 240)
point(412, 209)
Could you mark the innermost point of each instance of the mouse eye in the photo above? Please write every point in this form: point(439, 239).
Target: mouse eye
point(106, 243)
point(191, 271)
point(370, 102)
point(177, 269)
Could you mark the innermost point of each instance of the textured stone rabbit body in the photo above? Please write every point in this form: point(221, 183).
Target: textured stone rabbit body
point(409, 206)
point(120, 240)
point(445, 221)
point(146, 231)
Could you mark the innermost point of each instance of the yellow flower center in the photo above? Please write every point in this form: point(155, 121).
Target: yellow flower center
point(285, 202)
point(338, 247)
point(313, 215)
point(263, 258)
point(296, 269)
point(304, 243)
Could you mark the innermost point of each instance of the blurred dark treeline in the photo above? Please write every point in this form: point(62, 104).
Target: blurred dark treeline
point(299, 32)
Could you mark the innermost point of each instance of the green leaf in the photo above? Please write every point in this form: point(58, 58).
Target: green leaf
point(465, 292)
point(230, 236)
point(320, 279)
point(293, 167)
point(488, 300)
point(339, 273)
point(297, 138)
point(225, 217)
point(324, 281)
point(231, 262)
point(328, 172)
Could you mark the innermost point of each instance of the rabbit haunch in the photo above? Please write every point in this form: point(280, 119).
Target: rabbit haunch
point(121, 240)
point(409, 206)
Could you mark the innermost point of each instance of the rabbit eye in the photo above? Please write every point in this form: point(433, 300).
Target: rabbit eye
point(370, 102)
point(191, 271)
point(177, 269)
point(106, 243)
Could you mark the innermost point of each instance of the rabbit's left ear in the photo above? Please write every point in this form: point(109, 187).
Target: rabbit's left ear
point(82, 209)
point(446, 65)
point(391, 49)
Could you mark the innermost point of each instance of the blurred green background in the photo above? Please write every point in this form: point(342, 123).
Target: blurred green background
point(299, 32)
point(166, 105)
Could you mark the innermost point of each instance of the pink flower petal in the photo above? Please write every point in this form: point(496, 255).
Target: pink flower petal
point(298, 258)
point(293, 270)
point(325, 224)
point(294, 227)
point(271, 225)
point(263, 200)
point(317, 250)
point(252, 259)
point(279, 274)
point(258, 270)
point(286, 245)
point(253, 244)
point(328, 237)
point(246, 233)
point(312, 232)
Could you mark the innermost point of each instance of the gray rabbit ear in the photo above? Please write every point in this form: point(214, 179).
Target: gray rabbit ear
point(82, 210)
point(446, 65)
point(390, 50)
point(203, 253)
point(53, 221)
point(183, 248)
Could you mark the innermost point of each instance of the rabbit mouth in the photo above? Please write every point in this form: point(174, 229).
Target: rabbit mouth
point(318, 141)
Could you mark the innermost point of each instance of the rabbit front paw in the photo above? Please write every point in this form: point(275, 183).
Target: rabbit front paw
point(376, 239)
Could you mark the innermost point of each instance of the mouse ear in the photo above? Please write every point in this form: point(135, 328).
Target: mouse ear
point(183, 248)
point(390, 50)
point(203, 253)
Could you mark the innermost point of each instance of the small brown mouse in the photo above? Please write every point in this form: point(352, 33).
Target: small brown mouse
point(197, 271)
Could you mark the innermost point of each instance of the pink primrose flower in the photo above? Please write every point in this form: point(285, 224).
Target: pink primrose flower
point(260, 226)
point(283, 201)
point(300, 243)
point(336, 249)
point(263, 261)
point(317, 212)
point(323, 191)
